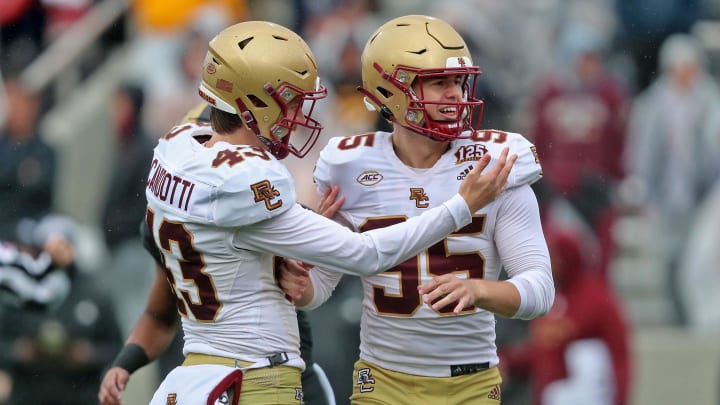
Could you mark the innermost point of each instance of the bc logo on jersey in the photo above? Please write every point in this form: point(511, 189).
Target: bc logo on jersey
point(171, 399)
point(264, 191)
point(418, 194)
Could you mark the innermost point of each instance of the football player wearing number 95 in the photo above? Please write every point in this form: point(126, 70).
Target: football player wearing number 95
point(222, 207)
point(428, 326)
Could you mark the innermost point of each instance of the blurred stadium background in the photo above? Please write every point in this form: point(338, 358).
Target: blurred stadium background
point(76, 54)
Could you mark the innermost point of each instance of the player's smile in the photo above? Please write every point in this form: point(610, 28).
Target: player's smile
point(448, 113)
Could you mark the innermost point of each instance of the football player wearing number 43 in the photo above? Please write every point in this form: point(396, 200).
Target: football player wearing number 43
point(222, 207)
point(427, 326)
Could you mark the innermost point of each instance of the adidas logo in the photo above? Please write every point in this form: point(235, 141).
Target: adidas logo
point(494, 393)
point(464, 173)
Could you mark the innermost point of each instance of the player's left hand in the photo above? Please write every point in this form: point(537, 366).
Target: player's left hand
point(448, 289)
point(330, 202)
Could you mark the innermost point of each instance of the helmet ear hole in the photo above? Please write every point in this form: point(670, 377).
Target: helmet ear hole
point(256, 102)
point(385, 92)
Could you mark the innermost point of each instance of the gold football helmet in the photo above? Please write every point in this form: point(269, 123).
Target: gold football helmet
point(262, 72)
point(408, 50)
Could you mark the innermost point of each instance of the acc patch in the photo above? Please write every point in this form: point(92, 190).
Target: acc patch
point(369, 178)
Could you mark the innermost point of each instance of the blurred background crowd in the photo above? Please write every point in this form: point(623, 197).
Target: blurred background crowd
point(620, 97)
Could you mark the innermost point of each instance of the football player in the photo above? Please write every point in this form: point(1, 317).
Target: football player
point(428, 324)
point(222, 207)
point(158, 324)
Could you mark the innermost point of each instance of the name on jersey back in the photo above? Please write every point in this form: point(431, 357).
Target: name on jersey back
point(169, 188)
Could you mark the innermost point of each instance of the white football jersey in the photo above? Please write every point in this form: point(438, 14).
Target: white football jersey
point(228, 298)
point(399, 331)
point(220, 214)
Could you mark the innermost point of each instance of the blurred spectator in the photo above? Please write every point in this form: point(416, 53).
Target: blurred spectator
point(579, 118)
point(130, 269)
point(556, 210)
point(125, 198)
point(56, 356)
point(161, 37)
point(645, 24)
point(176, 15)
point(61, 14)
point(27, 163)
point(35, 271)
point(165, 106)
point(579, 352)
point(700, 281)
point(22, 28)
point(341, 34)
point(674, 148)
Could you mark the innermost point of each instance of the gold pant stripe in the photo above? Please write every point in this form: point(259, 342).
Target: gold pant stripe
point(194, 359)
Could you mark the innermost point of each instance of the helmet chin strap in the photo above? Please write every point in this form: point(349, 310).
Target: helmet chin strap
point(277, 151)
point(247, 117)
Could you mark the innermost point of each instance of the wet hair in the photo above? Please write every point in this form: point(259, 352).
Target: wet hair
point(223, 122)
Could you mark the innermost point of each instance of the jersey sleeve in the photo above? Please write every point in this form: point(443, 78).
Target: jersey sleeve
point(524, 252)
point(324, 283)
point(527, 169)
point(304, 235)
point(257, 192)
point(324, 165)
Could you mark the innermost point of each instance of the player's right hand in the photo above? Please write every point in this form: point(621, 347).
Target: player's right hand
point(479, 189)
point(114, 382)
